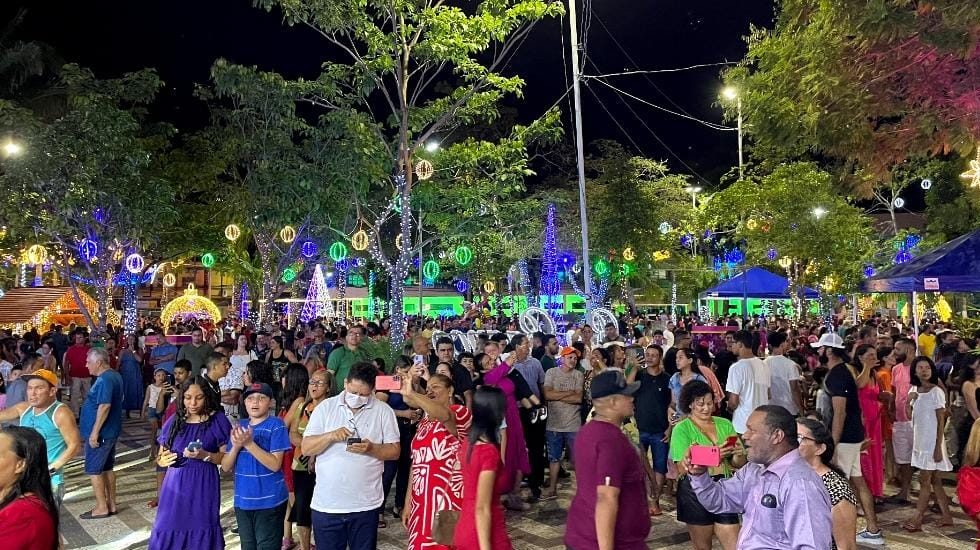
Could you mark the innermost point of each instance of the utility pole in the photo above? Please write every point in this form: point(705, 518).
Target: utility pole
point(580, 152)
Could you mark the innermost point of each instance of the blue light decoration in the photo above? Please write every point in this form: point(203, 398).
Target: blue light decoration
point(912, 241)
point(359, 263)
point(415, 262)
point(772, 254)
point(903, 257)
point(99, 215)
point(88, 249)
point(370, 294)
point(686, 240)
point(664, 228)
point(243, 302)
point(707, 234)
point(309, 249)
point(462, 286)
point(869, 271)
point(548, 285)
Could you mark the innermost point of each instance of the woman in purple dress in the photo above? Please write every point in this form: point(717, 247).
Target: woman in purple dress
point(191, 444)
point(516, 460)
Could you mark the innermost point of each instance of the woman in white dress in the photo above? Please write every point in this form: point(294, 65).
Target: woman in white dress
point(231, 385)
point(927, 409)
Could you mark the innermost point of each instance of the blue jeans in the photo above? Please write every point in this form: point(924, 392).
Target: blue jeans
point(354, 530)
point(557, 441)
point(659, 450)
point(261, 529)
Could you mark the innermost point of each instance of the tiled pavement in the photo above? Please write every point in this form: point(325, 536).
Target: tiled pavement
point(539, 529)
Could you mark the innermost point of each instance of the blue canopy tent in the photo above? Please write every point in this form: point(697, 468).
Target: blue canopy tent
point(953, 267)
point(755, 282)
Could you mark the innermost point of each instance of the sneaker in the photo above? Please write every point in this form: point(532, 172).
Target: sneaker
point(867, 537)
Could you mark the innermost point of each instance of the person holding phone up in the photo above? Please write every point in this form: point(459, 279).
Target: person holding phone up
point(711, 435)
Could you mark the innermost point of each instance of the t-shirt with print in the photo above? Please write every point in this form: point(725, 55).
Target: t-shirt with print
point(750, 379)
point(783, 371)
point(564, 417)
point(257, 487)
point(840, 383)
point(687, 433)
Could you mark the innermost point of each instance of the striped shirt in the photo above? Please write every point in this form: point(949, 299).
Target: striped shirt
point(257, 487)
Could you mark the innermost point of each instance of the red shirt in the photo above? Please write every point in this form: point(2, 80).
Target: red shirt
point(25, 524)
point(76, 357)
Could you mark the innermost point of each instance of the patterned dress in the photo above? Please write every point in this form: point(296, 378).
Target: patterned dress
point(437, 477)
point(839, 490)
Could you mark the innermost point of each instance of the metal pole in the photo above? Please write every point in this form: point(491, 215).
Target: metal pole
point(915, 319)
point(420, 263)
point(580, 151)
point(741, 161)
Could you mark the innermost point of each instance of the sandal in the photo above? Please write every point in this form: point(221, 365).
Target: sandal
point(656, 511)
point(152, 504)
point(912, 527)
point(382, 522)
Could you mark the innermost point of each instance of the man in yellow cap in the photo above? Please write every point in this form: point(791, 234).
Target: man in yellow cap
point(50, 418)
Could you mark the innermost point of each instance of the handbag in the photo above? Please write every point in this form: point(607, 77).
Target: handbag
point(444, 526)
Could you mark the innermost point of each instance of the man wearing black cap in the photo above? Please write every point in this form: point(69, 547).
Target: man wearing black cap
point(609, 509)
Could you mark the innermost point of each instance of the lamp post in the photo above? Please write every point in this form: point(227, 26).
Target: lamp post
point(694, 190)
point(731, 94)
point(12, 148)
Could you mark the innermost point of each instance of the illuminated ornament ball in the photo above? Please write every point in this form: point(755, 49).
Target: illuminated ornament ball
point(926, 184)
point(189, 306)
point(398, 242)
point(626, 270)
point(37, 254)
point(99, 215)
point(751, 224)
point(489, 287)
point(771, 254)
point(424, 170)
point(869, 271)
point(88, 249)
point(207, 260)
point(360, 240)
point(288, 275)
point(169, 280)
point(664, 228)
point(628, 254)
point(288, 234)
point(309, 249)
point(785, 262)
point(3, 232)
point(661, 255)
point(576, 268)
point(899, 202)
point(462, 286)
point(338, 251)
point(463, 255)
point(430, 270)
point(232, 232)
point(602, 267)
point(686, 240)
point(135, 263)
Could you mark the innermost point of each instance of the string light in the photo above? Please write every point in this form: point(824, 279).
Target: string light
point(169, 280)
point(360, 240)
point(135, 263)
point(548, 285)
point(398, 241)
point(424, 170)
point(243, 301)
point(463, 255)
point(309, 249)
point(190, 305)
point(973, 174)
point(232, 232)
point(318, 303)
point(37, 254)
point(130, 313)
point(430, 270)
point(287, 234)
point(370, 294)
point(88, 249)
point(338, 251)
point(628, 254)
point(207, 260)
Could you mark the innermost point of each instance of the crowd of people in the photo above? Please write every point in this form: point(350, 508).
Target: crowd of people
point(767, 435)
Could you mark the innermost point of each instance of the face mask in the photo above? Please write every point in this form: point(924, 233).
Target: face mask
point(355, 401)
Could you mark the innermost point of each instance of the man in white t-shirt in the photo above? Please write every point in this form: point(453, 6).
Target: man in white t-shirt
point(748, 381)
point(351, 435)
point(786, 388)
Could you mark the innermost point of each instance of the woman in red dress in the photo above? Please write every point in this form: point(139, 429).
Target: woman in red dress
point(968, 480)
point(28, 514)
point(481, 521)
point(436, 479)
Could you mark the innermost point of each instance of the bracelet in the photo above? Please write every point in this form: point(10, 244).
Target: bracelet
point(207, 458)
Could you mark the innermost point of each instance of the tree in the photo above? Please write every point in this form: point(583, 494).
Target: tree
point(430, 68)
point(86, 176)
point(867, 85)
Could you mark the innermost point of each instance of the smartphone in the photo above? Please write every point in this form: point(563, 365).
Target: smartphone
point(731, 441)
point(418, 359)
point(705, 455)
point(194, 446)
point(387, 383)
point(353, 440)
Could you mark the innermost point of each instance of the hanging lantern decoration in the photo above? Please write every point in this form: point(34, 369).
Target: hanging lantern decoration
point(926, 184)
point(207, 260)
point(973, 174)
point(462, 286)
point(360, 240)
point(169, 280)
point(785, 262)
point(687, 240)
point(135, 263)
point(3, 232)
point(232, 232)
point(37, 254)
point(576, 268)
point(626, 270)
point(489, 287)
point(424, 170)
point(661, 255)
point(88, 249)
point(288, 275)
point(99, 215)
point(628, 254)
point(430, 270)
point(869, 271)
point(766, 226)
point(463, 255)
point(309, 249)
point(288, 234)
point(898, 202)
point(751, 224)
point(771, 254)
point(602, 268)
point(338, 251)
point(398, 241)
point(664, 228)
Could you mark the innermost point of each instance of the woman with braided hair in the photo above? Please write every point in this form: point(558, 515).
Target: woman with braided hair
point(191, 444)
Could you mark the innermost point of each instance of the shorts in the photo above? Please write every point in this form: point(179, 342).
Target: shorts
point(692, 512)
point(58, 491)
point(152, 414)
point(100, 459)
point(557, 441)
point(658, 448)
point(902, 442)
point(848, 459)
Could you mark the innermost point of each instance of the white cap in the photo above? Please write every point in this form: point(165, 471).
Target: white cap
point(829, 340)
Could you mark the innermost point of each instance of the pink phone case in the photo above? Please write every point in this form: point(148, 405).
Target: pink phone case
point(387, 383)
point(705, 455)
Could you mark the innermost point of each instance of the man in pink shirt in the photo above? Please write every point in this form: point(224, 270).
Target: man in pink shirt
point(902, 427)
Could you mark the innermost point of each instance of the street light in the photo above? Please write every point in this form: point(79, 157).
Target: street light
point(12, 148)
point(819, 212)
point(432, 146)
point(731, 94)
point(694, 190)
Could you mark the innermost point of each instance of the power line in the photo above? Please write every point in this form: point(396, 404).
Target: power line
point(711, 125)
point(660, 71)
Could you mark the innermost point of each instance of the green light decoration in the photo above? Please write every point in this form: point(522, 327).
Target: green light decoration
point(288, 275)
point(397, 203)
point(430, 270)
point(207, 260)
point(463, 255)
point(338, 251)
point(602, 268)
point(626, 270)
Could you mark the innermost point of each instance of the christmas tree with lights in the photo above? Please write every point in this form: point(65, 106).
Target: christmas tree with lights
point(548, 285)
point(318, 304)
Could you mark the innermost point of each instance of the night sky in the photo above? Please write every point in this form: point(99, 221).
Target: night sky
point(182, 38)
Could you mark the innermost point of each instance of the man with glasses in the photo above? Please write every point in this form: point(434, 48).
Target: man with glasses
point(342, 360)
point(782, 500)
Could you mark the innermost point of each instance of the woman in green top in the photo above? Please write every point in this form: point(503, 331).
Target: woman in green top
point(701, 428)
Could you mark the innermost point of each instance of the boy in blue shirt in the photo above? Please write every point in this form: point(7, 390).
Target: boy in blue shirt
point(255, 454)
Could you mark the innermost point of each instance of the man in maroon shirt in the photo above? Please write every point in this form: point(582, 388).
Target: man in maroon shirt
point(77, 377)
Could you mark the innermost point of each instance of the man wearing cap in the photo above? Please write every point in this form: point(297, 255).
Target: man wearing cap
point(563, 393)
point(101, 424)
point(609, 510)
point(52, 419)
